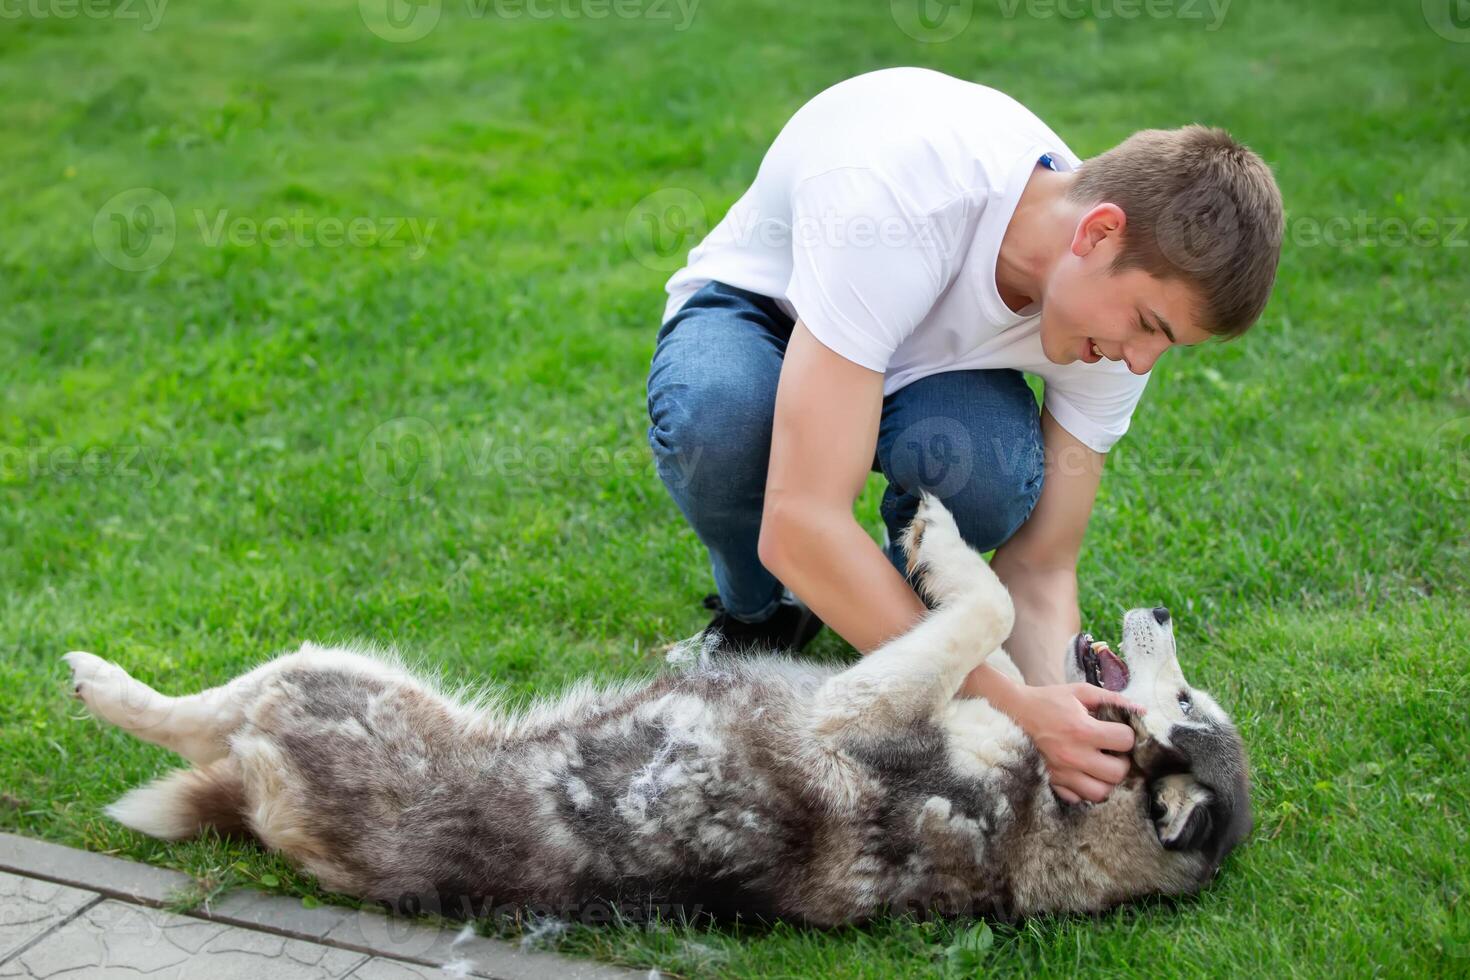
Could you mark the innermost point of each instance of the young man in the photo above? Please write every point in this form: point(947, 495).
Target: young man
point(912, 243)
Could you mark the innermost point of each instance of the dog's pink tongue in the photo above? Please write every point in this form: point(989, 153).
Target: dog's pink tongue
point(1114, 671)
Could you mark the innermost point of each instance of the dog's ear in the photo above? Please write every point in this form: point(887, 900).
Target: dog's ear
point(1181, 811)
point(1195, 833)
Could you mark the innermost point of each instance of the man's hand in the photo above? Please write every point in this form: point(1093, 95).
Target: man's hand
point(1074, 744)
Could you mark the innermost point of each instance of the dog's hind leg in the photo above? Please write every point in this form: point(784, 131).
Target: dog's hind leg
point(913, 677)
point(196, 727)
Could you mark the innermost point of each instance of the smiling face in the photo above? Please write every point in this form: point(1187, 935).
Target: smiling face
point(1185, 746)
point(1090, 313)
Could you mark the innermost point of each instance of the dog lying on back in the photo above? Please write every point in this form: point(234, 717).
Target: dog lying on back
point(762, 786)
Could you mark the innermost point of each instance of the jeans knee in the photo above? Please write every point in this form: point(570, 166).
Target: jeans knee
point(990, 494)
point(710, 441)
point(990, 513)
point(988, 508)
point(973, 439)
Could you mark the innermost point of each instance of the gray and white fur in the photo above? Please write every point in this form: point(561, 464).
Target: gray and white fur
point(763, 786)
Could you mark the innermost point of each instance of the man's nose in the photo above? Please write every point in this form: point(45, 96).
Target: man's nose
point(1140, 359)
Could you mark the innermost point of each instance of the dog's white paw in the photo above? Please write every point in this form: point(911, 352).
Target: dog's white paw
point(938, 556)
point(87, 670)
point(107, 690)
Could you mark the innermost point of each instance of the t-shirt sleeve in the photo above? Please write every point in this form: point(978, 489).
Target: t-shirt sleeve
point(865, 271)
point(1096, 407)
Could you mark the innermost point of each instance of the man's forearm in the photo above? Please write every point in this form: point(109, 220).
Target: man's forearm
point(828, 560)
point(831, 563)
point(1046, 619)
point(988, 683)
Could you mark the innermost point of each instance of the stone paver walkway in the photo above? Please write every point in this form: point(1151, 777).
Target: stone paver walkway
point(78, 914)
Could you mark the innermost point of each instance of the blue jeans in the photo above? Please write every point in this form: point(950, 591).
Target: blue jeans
point(973, 438)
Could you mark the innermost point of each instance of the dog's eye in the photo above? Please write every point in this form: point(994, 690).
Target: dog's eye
point(1184, 703)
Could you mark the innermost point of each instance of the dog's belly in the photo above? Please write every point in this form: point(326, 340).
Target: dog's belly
point(685, 790)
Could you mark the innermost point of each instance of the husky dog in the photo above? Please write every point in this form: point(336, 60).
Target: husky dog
point(760, 786)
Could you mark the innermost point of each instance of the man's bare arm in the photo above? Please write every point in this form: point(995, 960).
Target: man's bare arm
point(826, 425)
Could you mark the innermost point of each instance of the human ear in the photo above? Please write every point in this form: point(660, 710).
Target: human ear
point(1097, 225)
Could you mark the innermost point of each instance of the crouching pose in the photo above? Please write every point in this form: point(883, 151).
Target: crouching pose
point(758, 785)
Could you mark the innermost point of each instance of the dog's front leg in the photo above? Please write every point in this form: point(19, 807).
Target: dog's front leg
point(914, 676)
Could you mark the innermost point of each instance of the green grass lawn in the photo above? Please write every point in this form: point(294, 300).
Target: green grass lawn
point(207, 451)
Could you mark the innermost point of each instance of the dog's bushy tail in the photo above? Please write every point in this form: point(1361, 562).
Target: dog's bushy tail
point(183, 803)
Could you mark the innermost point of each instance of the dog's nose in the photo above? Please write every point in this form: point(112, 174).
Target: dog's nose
point(1161, 615)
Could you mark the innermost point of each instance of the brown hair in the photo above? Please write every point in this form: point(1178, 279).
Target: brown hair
point(1199, 207)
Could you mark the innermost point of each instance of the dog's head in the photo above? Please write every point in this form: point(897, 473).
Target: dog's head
point(1190, 756)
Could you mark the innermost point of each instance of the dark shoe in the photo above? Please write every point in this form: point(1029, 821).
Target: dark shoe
point(791, 627)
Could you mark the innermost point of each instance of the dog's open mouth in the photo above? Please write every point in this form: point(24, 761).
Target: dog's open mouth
point(1099, 665)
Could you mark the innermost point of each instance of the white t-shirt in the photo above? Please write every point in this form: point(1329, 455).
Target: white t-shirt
point(877, 217)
